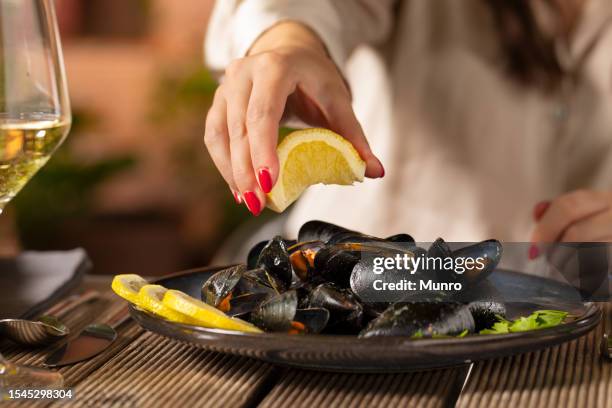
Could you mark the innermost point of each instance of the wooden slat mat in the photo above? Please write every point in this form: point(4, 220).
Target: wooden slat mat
point(570, 375)
point(300, 388)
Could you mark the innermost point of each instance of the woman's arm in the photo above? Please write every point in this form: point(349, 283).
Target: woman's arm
point(287, 68)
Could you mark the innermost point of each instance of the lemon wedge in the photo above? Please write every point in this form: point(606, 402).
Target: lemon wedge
point(128, 286)
point(204, 314)
point(313, 156)
point(150, 299)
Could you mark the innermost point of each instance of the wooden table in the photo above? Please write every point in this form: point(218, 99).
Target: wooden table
point(142, 369)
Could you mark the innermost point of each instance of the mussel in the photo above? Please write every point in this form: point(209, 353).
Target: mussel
point(237, 291)
point(421, 319)
point(345, 311)
point(485, 303)
point(281, 314)
point(218, 289)
point(488, 252)
point(302, 257)
point(321, 231)
point(274, 258)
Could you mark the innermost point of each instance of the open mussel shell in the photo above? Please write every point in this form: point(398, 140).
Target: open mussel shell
point(345, 311)
point(421, 319)
point(302, 256)
point(276, 313)
point(309, 321)
point(217, 289)
point(401, 238)
point(274, 257)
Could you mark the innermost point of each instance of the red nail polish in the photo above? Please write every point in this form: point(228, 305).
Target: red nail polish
point(265, 179)
point(534, 252)
point(252, 202)
point(237, 197)
point(539, 209)
point(383, 171)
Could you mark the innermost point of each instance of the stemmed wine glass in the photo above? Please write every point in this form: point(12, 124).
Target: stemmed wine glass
point(34, 120)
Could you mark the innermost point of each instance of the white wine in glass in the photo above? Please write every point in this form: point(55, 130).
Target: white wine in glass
point(34, 120)
point(34, 105)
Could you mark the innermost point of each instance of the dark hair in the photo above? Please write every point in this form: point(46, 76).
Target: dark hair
point(530, 51)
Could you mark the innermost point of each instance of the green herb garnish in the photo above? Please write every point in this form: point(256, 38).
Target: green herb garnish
point(539, 319)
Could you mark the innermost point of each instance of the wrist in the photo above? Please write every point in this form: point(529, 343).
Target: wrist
point(288, 34)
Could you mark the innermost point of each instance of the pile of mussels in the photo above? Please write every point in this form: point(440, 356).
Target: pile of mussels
point(312, 286)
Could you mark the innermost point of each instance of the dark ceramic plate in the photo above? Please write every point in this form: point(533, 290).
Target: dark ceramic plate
point(388, 354)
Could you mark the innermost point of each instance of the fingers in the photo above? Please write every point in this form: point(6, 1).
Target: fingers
point(348, 126)
point(567, 210)
point(237, 96)
point(265, 110)
point(596, 228)
point(342, 120)
point(216, 140)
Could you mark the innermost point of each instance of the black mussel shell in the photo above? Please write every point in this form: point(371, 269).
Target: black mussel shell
point(253, 255)
point(245, 303)
point(260, 280)
point(276, 313)
point(309, 321)
point(221, 285)
point(421, 319)
point(346, 312)
point(485, 302)
point(335, 262)
point(439, 249)
point(366, 283)
point(321, 231)
point(491, 252)
point(275, 259)
point(401, 238)
point(302, 257)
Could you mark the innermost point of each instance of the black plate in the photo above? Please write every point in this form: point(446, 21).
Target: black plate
point(387, 354)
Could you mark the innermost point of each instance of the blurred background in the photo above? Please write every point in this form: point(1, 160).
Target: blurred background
point(132, 184)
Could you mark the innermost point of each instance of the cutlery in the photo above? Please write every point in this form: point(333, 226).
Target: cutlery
point(48, 328)
point(93, 340)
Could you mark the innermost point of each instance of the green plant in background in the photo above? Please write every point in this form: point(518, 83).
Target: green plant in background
point(62, 190)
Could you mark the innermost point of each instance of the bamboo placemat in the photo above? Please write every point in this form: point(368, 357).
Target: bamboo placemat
point(436, 388)
point(144, 369)
point(570, 375)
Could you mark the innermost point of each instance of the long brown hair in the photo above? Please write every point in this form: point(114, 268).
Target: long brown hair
point(529, 40)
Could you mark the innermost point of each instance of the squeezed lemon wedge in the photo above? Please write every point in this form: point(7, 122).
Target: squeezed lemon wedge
point(313, 156)
point(150, 298)
point(204, 314)
point(127, 286)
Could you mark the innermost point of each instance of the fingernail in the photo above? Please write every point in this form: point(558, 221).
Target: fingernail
point(252, 202)
point(383, 170)
point(534, 252)
point(539, 209)
point(265, 179)
point(237, 197)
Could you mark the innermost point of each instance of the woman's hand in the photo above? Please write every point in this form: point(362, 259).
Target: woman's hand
point(287, 71)
point(578, 216)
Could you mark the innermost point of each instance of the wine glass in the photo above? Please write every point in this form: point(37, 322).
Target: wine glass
point(34, 120)
point(34, 107)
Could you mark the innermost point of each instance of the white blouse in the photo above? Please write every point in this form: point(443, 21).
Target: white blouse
point(467, 150)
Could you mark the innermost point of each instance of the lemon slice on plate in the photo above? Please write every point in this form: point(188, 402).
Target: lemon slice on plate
point(150, 299)
point(128, 286)
point(313, 156)
point(204, 314)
